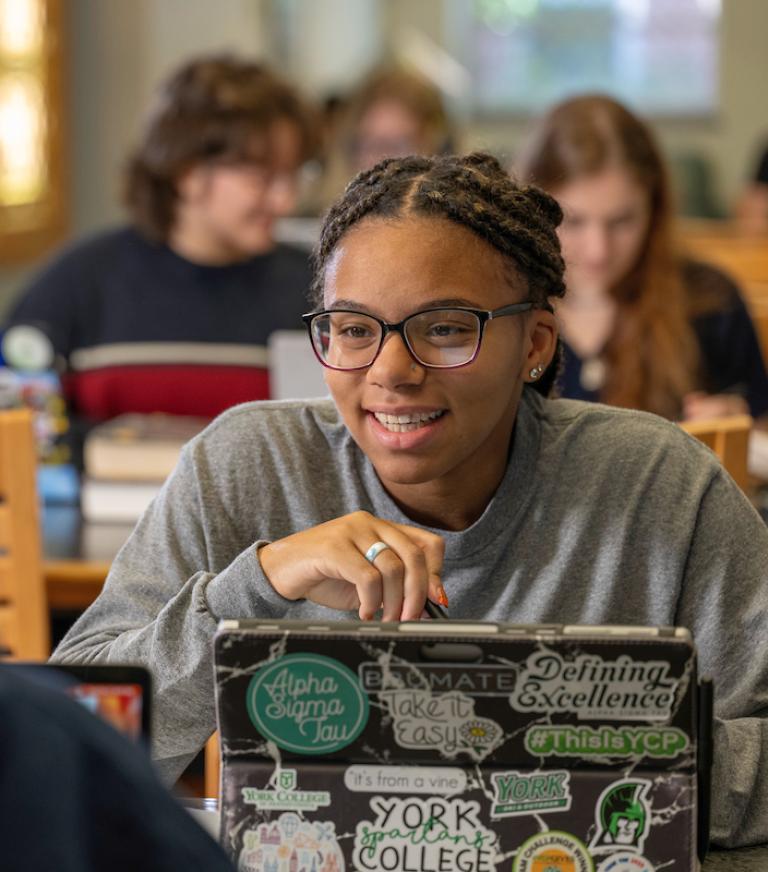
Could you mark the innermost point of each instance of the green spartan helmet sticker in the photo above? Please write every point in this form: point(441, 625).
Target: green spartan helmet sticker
point(622, 816)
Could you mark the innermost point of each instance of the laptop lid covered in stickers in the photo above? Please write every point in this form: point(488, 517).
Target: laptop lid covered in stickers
point(442, 745)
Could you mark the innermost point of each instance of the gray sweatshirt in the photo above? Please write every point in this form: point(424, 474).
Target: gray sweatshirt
point(603, 516)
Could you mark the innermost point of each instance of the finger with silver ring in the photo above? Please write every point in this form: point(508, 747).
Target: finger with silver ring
point(373, 552)
point(391, 570)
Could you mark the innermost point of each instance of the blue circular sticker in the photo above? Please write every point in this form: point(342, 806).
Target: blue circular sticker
point(307, 703)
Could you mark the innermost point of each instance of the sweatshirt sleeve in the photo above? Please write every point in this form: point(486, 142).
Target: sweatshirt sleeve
point(166, 591)
point(724, 602)
point(50, 302)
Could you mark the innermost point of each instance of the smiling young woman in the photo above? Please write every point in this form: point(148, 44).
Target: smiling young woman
point(440, 469)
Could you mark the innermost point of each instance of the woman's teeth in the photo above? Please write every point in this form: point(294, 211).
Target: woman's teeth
point(404, 423)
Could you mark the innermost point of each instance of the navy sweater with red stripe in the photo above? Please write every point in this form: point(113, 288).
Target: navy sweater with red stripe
point(141, 329)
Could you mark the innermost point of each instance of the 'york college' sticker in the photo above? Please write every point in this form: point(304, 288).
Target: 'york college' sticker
point(554, 850)
point(307, 703)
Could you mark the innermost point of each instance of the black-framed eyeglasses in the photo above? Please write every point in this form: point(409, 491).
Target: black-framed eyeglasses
point(440, 338)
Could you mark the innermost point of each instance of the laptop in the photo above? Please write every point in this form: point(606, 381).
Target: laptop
point(442, 745)
point(294, 371)
point(120, 695)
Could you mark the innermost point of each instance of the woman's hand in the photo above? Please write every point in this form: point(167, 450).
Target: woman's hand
point(327, 565)
point(698, 406)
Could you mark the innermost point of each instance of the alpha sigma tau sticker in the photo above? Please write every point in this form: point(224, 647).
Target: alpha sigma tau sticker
point(307, 703)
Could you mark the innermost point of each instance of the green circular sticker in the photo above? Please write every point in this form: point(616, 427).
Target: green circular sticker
point(307, 703)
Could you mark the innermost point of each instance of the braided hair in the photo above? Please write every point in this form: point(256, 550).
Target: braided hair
point(519, 221)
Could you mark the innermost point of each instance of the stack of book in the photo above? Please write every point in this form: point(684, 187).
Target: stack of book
point(127, 460)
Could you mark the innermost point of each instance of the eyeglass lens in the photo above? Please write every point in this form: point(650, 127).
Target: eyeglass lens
point(441, 337)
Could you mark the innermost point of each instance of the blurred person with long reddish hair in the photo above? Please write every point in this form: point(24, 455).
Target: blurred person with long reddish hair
point(642, 326)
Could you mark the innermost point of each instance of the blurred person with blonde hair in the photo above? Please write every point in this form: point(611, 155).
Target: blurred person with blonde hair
point(393, 112)
point(642, 326)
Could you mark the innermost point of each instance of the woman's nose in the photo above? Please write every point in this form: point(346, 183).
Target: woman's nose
point(596, 244)
point(395, 366)
point(282, 194)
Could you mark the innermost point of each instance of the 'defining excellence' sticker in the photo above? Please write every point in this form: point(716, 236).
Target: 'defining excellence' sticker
point(307, 703)
point(290, 843)
point(625, 862)
point(552, 851)
point(435, 833)
point(590, 687)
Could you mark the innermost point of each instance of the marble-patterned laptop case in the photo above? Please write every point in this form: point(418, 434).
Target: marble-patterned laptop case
point(441, 747)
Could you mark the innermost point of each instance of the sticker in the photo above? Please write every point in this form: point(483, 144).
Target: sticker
point(622, 816)
point(592, 688)
point(290, 843)
point(625, 862)
point(27, 348)
point(485, 680)
point(445, 722)
point(552, 851)
point(415, 833)
point(307, 703)
point(285, 797)
point(568, 741)
point(437, 781)
point(516, 793)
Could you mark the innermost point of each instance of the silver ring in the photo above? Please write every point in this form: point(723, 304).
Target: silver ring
point(373, 552)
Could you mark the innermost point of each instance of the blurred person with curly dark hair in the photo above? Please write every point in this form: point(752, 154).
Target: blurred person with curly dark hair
point(172, 312)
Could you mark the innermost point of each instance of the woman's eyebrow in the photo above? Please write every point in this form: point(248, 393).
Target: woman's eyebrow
point(429, 304)
point(349, 304)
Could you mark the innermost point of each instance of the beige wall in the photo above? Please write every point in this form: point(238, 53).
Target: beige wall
point(119, 48)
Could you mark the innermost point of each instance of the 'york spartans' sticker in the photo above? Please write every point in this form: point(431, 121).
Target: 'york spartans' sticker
point(552, 850)
point(307, 703)
point(414, 833)
point(622, 817)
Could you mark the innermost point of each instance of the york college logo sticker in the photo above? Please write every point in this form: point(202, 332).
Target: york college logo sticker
point(552, 850)
point(307, 703)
